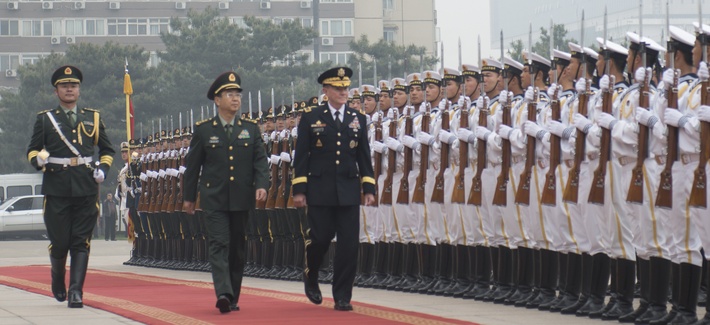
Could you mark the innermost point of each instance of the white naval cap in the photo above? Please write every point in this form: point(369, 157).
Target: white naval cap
point(431, 76)
point(354, 93)
point(561, 57)
point(369, 90)
point(491, 65)
point(513, 66)
point(536, 58)
point(399, 84)
point(613, 47)
point(682, 36)
point(705, 30)
point(384, 85)
point(414, 79)
point(650, 44)
point(451, 74)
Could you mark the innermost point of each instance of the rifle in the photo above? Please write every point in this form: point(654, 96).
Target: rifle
point(459, 194)
point(281, 193)
point(391, 164)
point(664, 197)
point(698, 193)
point(475, 197)
point(572, 190)
point(181, 183)
point(272, 193)
point(596, 193)
point(418, 196)
point(438, 194)
point(501, 191)
point(635, 194)
point(377, 168)
point(403, 194)
point(522, 196)
point(549, 190)
point(169, 204)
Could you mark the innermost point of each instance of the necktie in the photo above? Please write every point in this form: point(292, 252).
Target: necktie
point(228, 128)
point(71, 118)
point(337, 119)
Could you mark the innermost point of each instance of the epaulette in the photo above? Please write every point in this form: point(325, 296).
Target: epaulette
point(91, 109)
point(307, 110)
point(248, 120)
point(200, 122)
point(44, 111)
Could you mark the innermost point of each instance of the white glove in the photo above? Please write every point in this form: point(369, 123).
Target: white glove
point(580, 85)
point(582, 123)
point(274, 136)
point(425, 138)
point(645, 117)
point(446, 137)
point(503, 97)
point(408, 110)
point(704, 113)
point(606, 120)
point(293, 154)
point(391, 113)
point(464, 102)
point(174, 172)
point(285, 157)
point(274, 160)
point(531, 128)
point(659, 131)
point(99, 175)
point(482, 102)
point(504, 131)
point(162, 173)
point(182, 169)
point(703, 73)
point(551, 90)
point(284, 134)
point(529, 95)
point(640, 75)
point(294, 132)
point(410, 142)
point(153, 174)
point(672, 116)
point(465, 135)
point(144, 177)
point(378, 147)
point(160, 155)
point(422, 107)
point(375, 118)
point(482, 132)
point(442, 105)
point(604, 83)
point(42, 157)
point(393, 144)
point(555, 127)
point(668, 78)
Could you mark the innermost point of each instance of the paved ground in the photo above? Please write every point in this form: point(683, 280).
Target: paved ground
point(21, 307)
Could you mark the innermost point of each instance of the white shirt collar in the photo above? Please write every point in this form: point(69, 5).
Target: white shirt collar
point(333, 110)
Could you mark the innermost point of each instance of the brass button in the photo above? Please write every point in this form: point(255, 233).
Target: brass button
point(231, 148)
point(212, 146)
point(337, 152)
point(337, 162)
point(231, 178)
point(246, 144)
point(231, 157)
point(338, 143)
point(231, 167)
point(73, 141)
point(338, 133)
point(73, 131)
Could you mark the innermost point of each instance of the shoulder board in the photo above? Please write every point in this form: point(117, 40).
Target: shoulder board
point(91, 110)
point(45, 111)
point(307, 110)
point(248, 120)
point(200, 122)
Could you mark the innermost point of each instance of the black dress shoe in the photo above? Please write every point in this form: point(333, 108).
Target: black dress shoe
point(234, 307)
point(312, 290)
point(342, 305)
point(223, 303)
point(75, 300)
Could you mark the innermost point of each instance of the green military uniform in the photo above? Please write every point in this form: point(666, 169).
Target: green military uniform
point(69, 185)
point(233, 168)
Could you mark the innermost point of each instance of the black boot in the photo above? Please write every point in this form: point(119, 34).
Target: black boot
point(690, 277)
point(705, 320)
point(559, 282)
point(77, 274)
point(658, 291)
point(643, 268)
point(446, 272)
point(703, 293)
point(586, 286)
point(412, 268)
point(626, 274)
point(59, 270)
point(524, 280)
point(597, 290)
point(506, 286)
point(536, 278)
point(573, 283)
point(463, 268)
point(548, 279)
point(494, 253)
point(482, 274)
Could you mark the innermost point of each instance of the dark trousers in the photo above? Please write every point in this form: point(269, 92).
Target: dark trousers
point(325, 223)
point(110, 228)
point(227, 250)
point(70, 221)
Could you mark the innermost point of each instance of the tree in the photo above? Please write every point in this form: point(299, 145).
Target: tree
point(542, 46)
point(394, 60)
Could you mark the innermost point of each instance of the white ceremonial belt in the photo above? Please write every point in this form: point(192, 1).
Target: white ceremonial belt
point(688, 158)
point(626, 160)
point(569, 163)
point(517, 159)
point(76, 161)
point(661, 160)
point(543, 163)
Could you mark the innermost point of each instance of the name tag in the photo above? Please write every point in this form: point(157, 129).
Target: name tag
point(214, 140)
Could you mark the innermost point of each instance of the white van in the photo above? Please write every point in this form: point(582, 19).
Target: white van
point(14, 185)
point(22, 216)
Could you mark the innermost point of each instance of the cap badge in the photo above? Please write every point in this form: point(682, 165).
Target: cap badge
point(67, 70)
point(341, 72)
point(232, 78)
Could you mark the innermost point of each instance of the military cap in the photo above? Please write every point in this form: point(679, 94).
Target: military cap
point(470, 70)
point(66, 74)
point(336, 77)
point(682, 39)
point(227, 80)
point(698, 31)
point(451, 74)
point(322, 99)
point(651, 45)
point(312, 102)
point(591, 54)
point(301, 106)
point(176, 133)
point(432, 77)
point(575, 50)
point(148, 140)
point(614, 49)
point(124, 146)
point(282, 109)
point(513, 66)
point(134, 144)
point(538, 61)
point(354, 93)
point(561, 58)
point(369, 90)
point(270, 113)
point(491, 65)
point(384, 86)
point(186, 131)
point(399, 84)
point(414, 79)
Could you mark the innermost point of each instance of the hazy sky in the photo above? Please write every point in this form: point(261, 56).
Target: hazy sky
point(465, 19)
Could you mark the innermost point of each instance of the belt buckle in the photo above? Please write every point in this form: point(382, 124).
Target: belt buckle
point(685, 158)
point(73, 161)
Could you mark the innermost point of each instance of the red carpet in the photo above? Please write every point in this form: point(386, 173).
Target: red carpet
point(157, 300)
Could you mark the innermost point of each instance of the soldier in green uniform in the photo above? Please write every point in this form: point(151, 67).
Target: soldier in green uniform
point(231, 154)
point(62, 147)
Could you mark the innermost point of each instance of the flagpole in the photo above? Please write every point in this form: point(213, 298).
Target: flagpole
point(128, 91)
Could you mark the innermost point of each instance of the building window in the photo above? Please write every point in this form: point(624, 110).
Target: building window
point(9, 61)
point(389, 34)
point(9, 28)
point(239, 21)
point(334, 57)
point(308, 56)
point(95, 27)
point(32, 28)
point(388, 4)
point(336, 27)
point(47, 26)
point(31, 58)
point(307, 22)
point(158, 25)
point(73, 27)
point(336, 1)
point(154, 59)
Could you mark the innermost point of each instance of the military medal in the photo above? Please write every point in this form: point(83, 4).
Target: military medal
point(319, 144)
point(244, 135)
point(353, 144)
